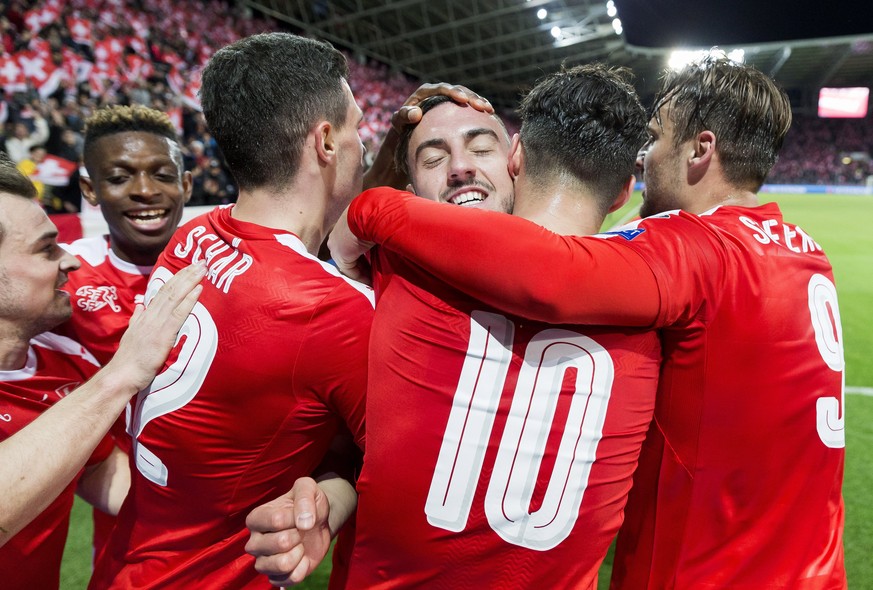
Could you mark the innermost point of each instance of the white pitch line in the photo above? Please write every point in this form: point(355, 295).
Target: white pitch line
point(627, 217)
point(868, 391)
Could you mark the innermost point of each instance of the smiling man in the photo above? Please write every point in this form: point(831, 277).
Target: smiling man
point(136, 176)
point(457, 154)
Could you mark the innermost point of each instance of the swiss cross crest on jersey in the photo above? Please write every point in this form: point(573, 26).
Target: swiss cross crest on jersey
point(96, 298)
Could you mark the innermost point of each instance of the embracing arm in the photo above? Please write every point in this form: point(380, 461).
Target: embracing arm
point(511, 263)
point(40, 460)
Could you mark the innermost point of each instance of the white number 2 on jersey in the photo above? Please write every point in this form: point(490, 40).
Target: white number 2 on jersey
point(825, 315)
point(178, 384)
point(523, 443)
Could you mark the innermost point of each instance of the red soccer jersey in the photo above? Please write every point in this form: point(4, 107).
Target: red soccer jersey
point(271, 362)
point(55, 367)
point(104, 293)
point(499, 451)
point(739, 482)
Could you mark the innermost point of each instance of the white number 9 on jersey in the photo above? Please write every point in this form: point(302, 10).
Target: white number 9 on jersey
point(825, 315)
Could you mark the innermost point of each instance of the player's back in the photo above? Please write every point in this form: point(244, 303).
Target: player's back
point(746, 453)
point(482, 434)
point(269, 365)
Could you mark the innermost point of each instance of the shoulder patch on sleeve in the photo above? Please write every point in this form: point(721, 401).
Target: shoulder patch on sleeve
point(627, 234)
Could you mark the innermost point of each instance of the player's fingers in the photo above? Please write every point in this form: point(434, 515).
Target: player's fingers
point(179, 286)
point(277, 515)
point(475, 100)
point(271, 544)
point(405, 115)
point(302, 570)
point(305, 491)
point(280, 566)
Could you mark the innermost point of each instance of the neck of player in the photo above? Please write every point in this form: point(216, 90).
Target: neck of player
point(295, 211)
point(556, 207)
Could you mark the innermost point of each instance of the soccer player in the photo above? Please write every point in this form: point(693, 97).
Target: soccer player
point(275, 361)
point(525, 435)
point(52, 423)
point(739, 483)
point(136, 176)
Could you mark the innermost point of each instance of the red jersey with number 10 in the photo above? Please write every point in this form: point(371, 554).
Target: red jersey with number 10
point(270, 364)
point(499, 451)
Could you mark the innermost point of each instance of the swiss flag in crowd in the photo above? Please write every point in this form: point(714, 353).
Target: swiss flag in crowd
point(108, 52)
point(54, 171)
point(12, 74)
point(80, 29)
point(175, 114)
point(137, 68)
point(37, 18)
point(189, 89)
point(40, 70)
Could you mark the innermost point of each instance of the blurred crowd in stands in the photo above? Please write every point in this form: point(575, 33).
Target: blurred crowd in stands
point(61, 60)
point(826, 151)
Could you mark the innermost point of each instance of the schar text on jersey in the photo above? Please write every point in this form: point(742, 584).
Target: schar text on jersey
point(772, 231)
point(223, 261)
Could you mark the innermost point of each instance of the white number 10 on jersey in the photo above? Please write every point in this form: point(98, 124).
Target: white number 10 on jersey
point(523, 442)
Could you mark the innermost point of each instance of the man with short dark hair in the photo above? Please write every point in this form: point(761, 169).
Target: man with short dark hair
point(275, 364)
point(748, 313)
point(456, 154)
point(53, 424)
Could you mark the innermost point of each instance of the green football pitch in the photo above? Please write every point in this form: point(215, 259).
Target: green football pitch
point(843, 225)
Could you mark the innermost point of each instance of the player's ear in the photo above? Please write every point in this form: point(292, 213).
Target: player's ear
point(87, 188)
point(704, 148)
point(625, 194)
point(187, 185)
point(325, 141)
point(516, 158)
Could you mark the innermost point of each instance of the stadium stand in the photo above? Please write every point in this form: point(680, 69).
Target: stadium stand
point(62, 60)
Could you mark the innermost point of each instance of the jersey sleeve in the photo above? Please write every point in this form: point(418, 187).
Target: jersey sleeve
point(334, 357)
point(511, 263)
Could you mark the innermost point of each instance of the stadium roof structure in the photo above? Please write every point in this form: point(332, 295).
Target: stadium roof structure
point(501, 47)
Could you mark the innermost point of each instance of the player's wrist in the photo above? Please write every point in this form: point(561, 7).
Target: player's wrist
point(118, 380)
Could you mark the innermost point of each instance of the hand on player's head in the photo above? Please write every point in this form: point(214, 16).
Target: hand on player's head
point(410, 113)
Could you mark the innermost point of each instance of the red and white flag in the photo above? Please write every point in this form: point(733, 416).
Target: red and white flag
point(80, 29)
point(12, 74)
point(54, 171)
